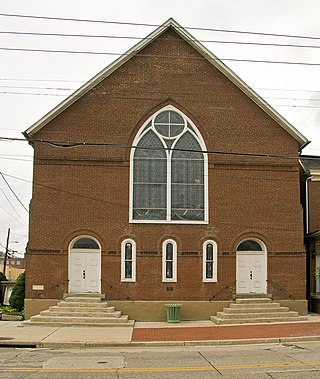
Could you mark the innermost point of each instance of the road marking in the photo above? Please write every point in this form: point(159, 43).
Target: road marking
point(163, 369)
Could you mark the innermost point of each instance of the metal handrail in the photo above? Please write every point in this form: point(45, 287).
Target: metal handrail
point(230, 285)
point(281, 288)
point(111, 286)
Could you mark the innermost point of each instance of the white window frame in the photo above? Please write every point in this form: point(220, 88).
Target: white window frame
point(199, 138)
point(123, 261)
point(214, 262)
point(174, 261)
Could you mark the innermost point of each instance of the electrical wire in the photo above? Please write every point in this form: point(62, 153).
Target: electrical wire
point(15, 195)
point(72, 144)
point(12, 206)
point(157, 25)
point(108, 203)
point(156, 56)
point(263, 44)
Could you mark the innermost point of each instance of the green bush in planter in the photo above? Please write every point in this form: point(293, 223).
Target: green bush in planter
point(17, 296)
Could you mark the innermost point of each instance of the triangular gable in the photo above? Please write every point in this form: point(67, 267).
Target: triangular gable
point(141, 45)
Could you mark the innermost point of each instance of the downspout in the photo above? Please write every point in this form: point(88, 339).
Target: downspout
point(307, 205)
point(308, 285)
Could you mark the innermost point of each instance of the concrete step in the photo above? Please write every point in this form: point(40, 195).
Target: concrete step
point(85, 294)
point(254, 305)
point(231, 316)
point(81, 308)
point(79, 299)
point(260, 320)
point(58, 313)
point(255, 309)
point(77, 304)
point(79, 320)
point(259, 300)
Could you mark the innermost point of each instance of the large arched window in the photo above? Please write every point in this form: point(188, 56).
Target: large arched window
point(168, 171)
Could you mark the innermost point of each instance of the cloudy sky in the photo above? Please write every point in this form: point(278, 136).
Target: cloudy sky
point(48, 49)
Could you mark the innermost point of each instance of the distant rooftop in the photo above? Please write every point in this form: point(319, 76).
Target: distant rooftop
point(310, 162)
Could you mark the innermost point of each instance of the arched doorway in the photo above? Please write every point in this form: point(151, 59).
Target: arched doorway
point(84, 265)
point(251, 267)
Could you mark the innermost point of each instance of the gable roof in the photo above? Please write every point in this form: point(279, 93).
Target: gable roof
point(171, 23)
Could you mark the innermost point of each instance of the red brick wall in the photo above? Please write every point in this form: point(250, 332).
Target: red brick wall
point(85, 190)
point(314, 206)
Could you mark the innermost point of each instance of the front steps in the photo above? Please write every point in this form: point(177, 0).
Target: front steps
point(81, 310)
point(255, 311)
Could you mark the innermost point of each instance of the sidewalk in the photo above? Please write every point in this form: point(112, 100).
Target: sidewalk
point(186, 333)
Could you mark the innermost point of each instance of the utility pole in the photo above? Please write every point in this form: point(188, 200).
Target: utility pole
point(6, 253)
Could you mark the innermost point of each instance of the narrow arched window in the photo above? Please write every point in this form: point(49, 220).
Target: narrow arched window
point(168, 171)
point(128, 261)
point(210, 261)
point(169, 261)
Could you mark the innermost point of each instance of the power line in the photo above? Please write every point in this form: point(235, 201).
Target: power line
point(109, 203)
point(16, 212)
point(83, 81)
point(32, 87)
point(263, 44)
point(43, 80)
point(157, 25)
point(72, 144)
point(154, 56)
point(145, 98)
point(15, 195)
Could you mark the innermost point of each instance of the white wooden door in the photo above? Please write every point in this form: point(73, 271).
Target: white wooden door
point(251, 273)
point(84, 272)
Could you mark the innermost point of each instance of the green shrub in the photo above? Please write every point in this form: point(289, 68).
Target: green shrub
point(16, 300)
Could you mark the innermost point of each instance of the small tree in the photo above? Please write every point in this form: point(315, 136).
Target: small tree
point(17, 296)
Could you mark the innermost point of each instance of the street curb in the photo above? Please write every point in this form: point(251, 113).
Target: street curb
point(88, 345)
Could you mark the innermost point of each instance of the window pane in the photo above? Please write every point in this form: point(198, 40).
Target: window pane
point(149, 214)
point(128, 251)
point(187, 171)
point(163, 130)
point(184, 196)
point(209, 251)
point(209, 270)
point(150, 170)
point(169, 252)
point(187, 215)
point(85, 243)
point(154, 147)
point(149, 196)
point(128, 269)
point(169, 269)
point(162, 118)
point(175, 118)
point(188, 142)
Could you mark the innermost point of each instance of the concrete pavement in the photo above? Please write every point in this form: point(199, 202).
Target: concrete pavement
point(186, 333)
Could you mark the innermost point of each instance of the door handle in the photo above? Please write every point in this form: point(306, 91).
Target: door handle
point(84, 274)
point(250, 275)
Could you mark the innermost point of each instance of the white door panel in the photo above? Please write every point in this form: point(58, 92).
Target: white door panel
point(84, 272)
point(251, 275)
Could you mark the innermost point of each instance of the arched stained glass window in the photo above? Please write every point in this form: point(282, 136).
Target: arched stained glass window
point(249, 245)
point(168, 171)
point(85, 243)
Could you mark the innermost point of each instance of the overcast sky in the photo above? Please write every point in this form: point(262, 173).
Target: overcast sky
point(33, 82)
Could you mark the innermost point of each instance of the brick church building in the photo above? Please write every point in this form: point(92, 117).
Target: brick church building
point(165, 178)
